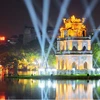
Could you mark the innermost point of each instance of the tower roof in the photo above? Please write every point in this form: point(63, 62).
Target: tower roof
point(73, 27)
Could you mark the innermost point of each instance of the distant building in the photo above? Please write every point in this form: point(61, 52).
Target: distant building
point(30, 34)
point(13, 39)
point(50, 31)
point(74, 54)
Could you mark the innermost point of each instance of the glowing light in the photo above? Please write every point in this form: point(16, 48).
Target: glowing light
point(49, 83)
point(93, 69)
point(0, 66)
point(54, 85)
point(41, 84)
point(98, 69)
point(34, 63)
point(73, 27)
point(2, 38)
point(2, 97)
point(54, 70)
point(49, 70)
point(39, 61)
point(94, 85)
point(41, 69)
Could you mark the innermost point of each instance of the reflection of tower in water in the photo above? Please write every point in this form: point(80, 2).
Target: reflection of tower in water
point(71, 90)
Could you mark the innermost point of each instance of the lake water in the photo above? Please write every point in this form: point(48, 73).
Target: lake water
point(49, 89)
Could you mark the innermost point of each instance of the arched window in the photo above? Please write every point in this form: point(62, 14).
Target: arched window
point(85, 65)
point(84, 48)
point(74, 65)
point(75, 45)
point(74, 48)
point(85, 44)
point(83, 33)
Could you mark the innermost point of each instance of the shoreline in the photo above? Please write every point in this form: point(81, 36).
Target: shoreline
point(60, 77)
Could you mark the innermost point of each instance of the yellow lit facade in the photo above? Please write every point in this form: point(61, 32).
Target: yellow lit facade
point(73, 47)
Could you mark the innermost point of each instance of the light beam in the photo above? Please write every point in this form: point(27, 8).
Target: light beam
point(34, 19)
point(64, 6)
point(90, 9)
point(58, 3)
point(46, 5)
point(47, 37)
point(95, 34)
point(84, 2)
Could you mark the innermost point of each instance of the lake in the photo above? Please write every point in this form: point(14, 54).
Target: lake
point(49, 89)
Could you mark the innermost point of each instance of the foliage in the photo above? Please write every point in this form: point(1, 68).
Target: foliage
point(52, 60)
point(20, 56)
point(96, 52)
point(24, 56)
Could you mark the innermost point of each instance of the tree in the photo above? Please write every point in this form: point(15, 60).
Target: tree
point(52, 60)
point(96, 52)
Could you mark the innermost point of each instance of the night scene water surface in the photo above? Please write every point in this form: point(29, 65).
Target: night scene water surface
point(49, 89)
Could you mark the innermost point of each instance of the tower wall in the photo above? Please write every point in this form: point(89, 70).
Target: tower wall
point(68, 44)
point(79, 62)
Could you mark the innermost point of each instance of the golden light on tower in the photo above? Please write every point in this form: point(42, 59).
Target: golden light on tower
point(73, 47)
point(73, 27)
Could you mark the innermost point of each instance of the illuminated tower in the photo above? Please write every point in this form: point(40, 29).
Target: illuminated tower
point(73, 47)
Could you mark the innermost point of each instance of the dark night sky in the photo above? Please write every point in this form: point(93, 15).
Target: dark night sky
point(14, 15)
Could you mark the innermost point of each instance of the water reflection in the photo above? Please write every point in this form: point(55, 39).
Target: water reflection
point(74, 90)
point(49, 89)
point(2, 96)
